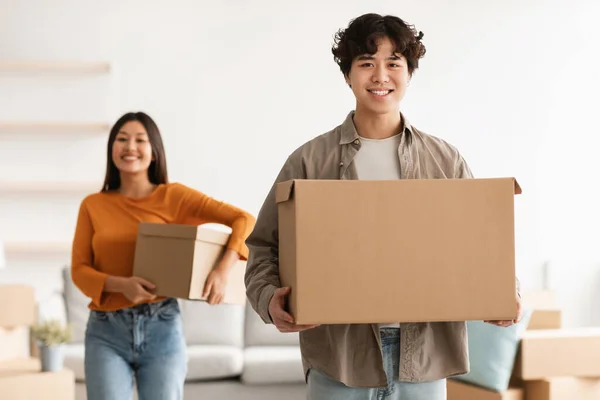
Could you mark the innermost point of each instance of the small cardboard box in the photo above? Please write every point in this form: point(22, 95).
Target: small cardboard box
point(463, 391)
point(563, 388)
point(14, 343)
point(558, 352)
point(22, 379)
point(178, 258)
point(545, 319)
point(398, 251)
point(18, 306)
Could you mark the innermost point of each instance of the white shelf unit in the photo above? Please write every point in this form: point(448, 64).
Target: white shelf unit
point(37, 249)
point(54, 127)
point(49, 187)
point(54, 66)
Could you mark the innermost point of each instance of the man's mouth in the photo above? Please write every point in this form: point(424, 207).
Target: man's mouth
point(381, 92)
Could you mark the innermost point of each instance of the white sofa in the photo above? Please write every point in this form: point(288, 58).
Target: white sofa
point(232, 353)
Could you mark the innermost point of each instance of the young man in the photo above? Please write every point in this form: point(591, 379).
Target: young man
point(377, 56)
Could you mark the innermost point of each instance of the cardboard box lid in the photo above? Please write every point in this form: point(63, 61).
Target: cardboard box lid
point(182, 231)
point(284, 191)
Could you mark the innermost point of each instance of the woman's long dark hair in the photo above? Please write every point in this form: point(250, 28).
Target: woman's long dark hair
point(157, 172)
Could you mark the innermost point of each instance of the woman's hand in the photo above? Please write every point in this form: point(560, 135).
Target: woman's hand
point(215, 287)
point(137, 290)
point(216, 282)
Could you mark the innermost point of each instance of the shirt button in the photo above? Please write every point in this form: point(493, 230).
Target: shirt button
point(356, 141)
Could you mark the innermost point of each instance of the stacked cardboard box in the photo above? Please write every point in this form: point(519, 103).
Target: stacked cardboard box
point(20, 376)
point(552, 363)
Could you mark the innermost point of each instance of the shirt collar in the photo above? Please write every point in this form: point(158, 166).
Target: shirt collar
point(349, 133)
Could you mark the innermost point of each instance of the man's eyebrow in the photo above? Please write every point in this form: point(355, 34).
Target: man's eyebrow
point(370, 57)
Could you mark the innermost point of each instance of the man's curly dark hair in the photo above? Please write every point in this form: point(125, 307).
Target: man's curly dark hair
point(361, 35)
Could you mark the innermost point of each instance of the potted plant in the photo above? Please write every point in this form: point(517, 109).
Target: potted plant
point(51, 336)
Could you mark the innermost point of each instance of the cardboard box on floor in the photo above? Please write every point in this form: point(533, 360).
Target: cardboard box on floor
point(563, 388)
point(546, 313)
point(398, 251)
point(178, 258)
point(21, 379)
point(464, 391)
point(558, 352)
point(17, 315)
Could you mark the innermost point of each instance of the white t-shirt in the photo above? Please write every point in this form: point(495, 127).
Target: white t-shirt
point(378, 159)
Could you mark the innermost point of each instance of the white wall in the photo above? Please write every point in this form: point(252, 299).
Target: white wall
point(236, 85)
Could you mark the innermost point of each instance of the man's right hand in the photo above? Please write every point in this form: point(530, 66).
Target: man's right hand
point(282, 319)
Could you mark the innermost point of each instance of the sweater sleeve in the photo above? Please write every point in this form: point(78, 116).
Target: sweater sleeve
point(197, 206)
point(88, 279)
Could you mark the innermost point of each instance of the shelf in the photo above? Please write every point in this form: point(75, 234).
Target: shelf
point(55, 127)
point(43, 66)
point(36, 248)
point(49, 187)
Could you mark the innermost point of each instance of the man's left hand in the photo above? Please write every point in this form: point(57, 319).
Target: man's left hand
point(510, 322)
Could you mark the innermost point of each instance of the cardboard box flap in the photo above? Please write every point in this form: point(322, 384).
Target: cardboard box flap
point(182, 231)
point(284, 191)
point(517, 186)
point(515, 183)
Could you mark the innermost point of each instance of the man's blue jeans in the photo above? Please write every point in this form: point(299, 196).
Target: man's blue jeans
point(144, 344)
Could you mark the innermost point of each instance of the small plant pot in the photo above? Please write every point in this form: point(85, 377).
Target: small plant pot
point(52, 358)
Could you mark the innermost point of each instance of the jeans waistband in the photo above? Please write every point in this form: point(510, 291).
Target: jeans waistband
point(388, 333)
point(146, 308)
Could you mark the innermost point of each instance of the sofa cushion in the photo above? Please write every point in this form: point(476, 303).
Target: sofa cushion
point(257, 333)
point(213, 362)
point(277, 364)
point(74, 357)
point(76, 304)
point(492, 352)
point(205, 324)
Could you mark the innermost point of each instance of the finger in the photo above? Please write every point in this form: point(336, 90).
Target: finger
point(283, 316)
point(212, 297)
point(148, 296)
point(207, 289)
point(145, 283)
point(296, 328)
point(282, 292)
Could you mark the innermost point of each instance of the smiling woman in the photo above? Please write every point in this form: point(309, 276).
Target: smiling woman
point(131, 332)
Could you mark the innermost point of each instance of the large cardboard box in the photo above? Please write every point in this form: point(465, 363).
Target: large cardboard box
point(558, 352)
point(463, 391)
point(398, 251)
point(563, 388)
point(18, 306)
point(178, 258)
point(21, 379)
